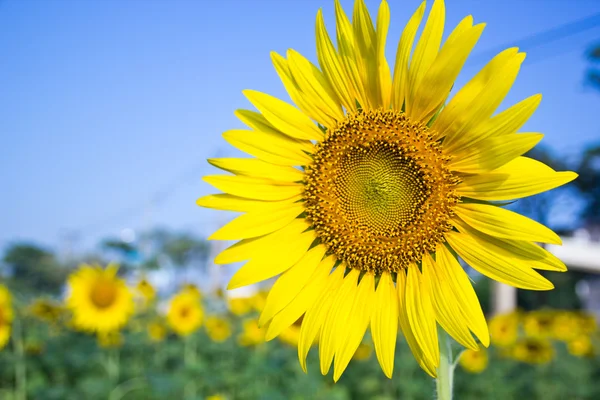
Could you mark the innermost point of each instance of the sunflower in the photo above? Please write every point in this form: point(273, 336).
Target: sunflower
point(6, 315)
point(46, 310)
point(533, 351)
point(157, 331)
point(565, 326)
point(363, 352)
point(185, 313)
point(504, 329)
point(581, 346)
point(99, 299)
point(193, 289)
point(145, 291)
point(252, 334)
point(218, 329)
point(361, 197)
point(539, 324)
point(110, 339)
point(239, 305)
point(474, 361)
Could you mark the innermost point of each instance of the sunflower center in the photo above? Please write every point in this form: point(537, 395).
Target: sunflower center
point(2, 319)
point(185, 312)
point(379, 193)
point(103, 294)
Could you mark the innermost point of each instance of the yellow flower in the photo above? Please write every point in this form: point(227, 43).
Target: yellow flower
point(110, 339)
point(580, 346)
point(258, 300)
point(216, 397)
point(6, 315)
point(239, 305)
point(218, 329)
point(193, 289)
point(46, 310)
point(145, 291)
point(587, 322)
point(539, 324)
point(157, 331)
point(185, 313)
point(533, 351)
point(377, 177)
point(99, 299)
point(504, 329)
point(251, 333)
point(363, 352)
point(565, 326)
point(474, 361)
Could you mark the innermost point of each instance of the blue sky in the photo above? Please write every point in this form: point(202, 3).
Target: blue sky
point(108, 109)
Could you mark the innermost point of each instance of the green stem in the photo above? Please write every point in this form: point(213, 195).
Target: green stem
point(20, 367)
point(112, 366)
point(189, 359)
point(445, 372)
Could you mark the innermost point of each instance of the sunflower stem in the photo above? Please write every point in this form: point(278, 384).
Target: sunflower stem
point(189, 359)
point(20, 366)
point(445, 372)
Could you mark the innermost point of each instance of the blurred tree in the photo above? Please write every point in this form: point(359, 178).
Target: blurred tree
point(588, 184)
point(33, 269)
point(593, 75)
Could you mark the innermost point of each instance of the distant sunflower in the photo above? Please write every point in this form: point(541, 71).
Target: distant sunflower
point(252, 334)
point(46, 310)
point(110, 339)
point(361, 197)
point(581, 346)
point(157, 331)
point(145, 291)
point(218, 329)
point(504, 329)
point(6, 315)
point(99, 299)
point(185, 313)
point(533, 351)
point(539, 323)
point(474, 361)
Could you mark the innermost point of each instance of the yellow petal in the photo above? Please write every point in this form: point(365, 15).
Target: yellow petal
point(272, 261)
point(531, 254)
point(407, 330)
point(298, 306)
point(426, 50)
point(421, 315)
point(259, 222)
point(452, 274)
point(291, 282)
point(271, 147)
point(345, 44)
point(302, 99)
point(405, 45)
point(499, 222)
point(339, 311)
point(384, 323)
point(385, 77)
point(254, 188)
point(435, 86)
point(466, 110)
point(229, 202)
point(331, 65)
point(351, 330)
point(312, 82)
point(315, 316)
point(365, 40)
point(447, 310)
point(256, 168)
point(507, 122)
point(495, 262)
point(249, 248)
point(284, 116)
point(493, 152)
point(518, 178)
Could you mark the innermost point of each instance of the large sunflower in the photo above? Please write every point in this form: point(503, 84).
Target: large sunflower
point(361, 197)
point(6, 315)
point(99, 299)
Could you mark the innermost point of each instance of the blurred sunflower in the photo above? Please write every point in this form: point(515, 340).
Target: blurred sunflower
point(239, 305)
point(99, 299)
point(193, 289)
point(504, 329)
point(581, 346)
point(259, 299)
point(46, 310)
point(145, 291)
point(251, 334)
point(587, 322)
point(539, 323)
point(218, 329)
point(474, 361)
point(291, 335)
point(6, 315)
point(565, 326)
point(185, 313)
point(110, 339)
point(363, 352)
point(216, 397)
point(533, 351)
point(392, 181)
point(157, 331)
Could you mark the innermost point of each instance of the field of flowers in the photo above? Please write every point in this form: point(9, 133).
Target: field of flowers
point(208, 346)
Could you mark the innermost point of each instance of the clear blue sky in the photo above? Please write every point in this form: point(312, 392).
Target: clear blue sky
point(108, 109)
